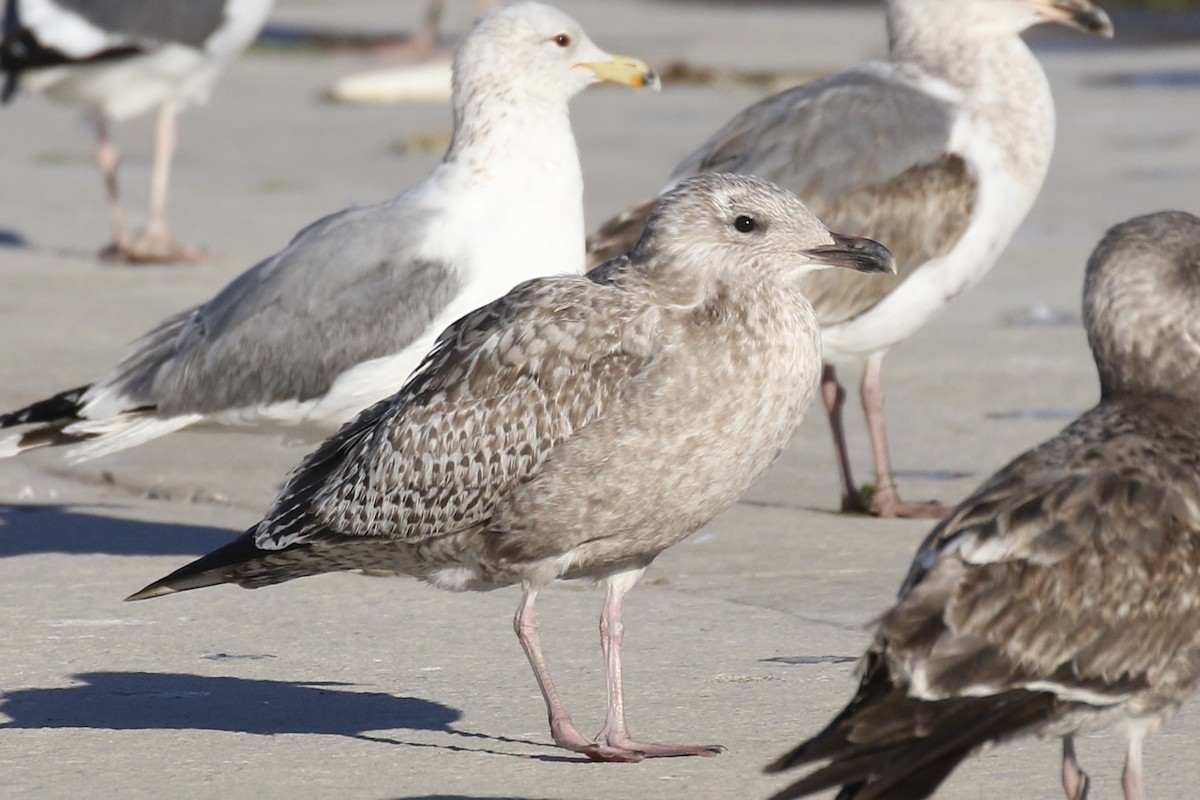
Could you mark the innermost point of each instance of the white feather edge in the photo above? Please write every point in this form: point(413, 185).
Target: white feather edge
point(118, 433)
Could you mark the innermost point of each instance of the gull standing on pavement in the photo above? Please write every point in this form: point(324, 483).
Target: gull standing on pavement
point(117, 59)
point(937, 150)
point(575, 428)
point(340, 317)
point(1061, 596)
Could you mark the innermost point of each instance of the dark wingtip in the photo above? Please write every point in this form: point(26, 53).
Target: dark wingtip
point(62, 407)
point(208, 570)
point(156, 589)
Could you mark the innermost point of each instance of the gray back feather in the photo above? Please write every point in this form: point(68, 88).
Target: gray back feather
point(190, 22)
point(347, 289)
point(866, 152)
point(830, 137)
point(505, 385)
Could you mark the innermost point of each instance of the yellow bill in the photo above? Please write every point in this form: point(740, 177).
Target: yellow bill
point(624, 70)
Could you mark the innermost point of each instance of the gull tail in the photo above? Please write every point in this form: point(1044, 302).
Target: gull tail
point(62, 407)
point(53, 415)
point(886, 744)
point(244, 563)
point(618, 236)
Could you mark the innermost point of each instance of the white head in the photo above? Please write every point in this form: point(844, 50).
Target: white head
point(995, 17)
point(528, 52)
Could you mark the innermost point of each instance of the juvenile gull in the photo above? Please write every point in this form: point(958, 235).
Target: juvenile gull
point(937, 150)
point(120, 58)
point(575, 428)
point(1061, 596)
point(339, 318)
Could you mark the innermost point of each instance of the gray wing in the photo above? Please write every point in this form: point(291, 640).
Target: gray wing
point(350, 287)
point(1071, 570)
point(148, 22)
point(866, 151)
point(505, 385)
point(832, 136)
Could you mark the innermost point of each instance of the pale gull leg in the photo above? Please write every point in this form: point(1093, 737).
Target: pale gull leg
point(834, 397)
point(154, 243)
point(1132, 779)
point(1076, 782)
point(423, 44)
point(108, 159)
point(612, 630)
point(886, 501)
point(565, 734)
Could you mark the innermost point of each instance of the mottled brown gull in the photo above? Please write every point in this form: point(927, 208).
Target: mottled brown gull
point(575, 428)
point(120, 58)
point(937, 150)
point(339, 318)
point(1061, 596)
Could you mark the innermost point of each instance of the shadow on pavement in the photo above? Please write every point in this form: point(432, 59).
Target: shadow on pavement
point(173, 701)
point(28, 529)
point(124, 701)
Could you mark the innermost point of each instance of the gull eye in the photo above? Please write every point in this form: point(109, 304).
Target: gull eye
point(562, 40)
point(745, 223)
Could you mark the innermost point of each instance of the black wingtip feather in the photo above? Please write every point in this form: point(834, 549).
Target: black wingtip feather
point(888, 745)
point(208, 570)
point(62, 407)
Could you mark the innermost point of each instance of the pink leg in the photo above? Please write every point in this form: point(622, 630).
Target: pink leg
point(565, 734)
point(834, 397)
point(423, 44)
point(886, 501)
point(154, 242)
point(612, 630)
point(1075, 781)
point(108, 159)
point(166, 139)
point(1132, 779)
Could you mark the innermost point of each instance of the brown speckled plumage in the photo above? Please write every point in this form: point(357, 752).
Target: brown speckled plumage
point(1063, 595)
point(576, 427)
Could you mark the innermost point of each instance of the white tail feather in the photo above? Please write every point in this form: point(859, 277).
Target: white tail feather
point(118, 433)
point(10, 446)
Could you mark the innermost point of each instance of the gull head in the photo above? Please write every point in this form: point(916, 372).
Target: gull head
point(1141, 306)
point(734, 228)
point(530, 52)
point(1080, 14)
point(1001, 17)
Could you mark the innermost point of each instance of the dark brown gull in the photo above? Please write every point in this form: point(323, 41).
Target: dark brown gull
point(117, 59)
point(937, 150)
point(575, 428)
point(339, 318)
point(1061, 596)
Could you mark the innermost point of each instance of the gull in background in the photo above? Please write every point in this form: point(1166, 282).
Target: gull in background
point(117, 59)
point(339, 318)
point(1061, 596)
point(937, 150)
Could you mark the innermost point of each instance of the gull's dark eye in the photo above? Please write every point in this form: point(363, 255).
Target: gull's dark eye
point(562, 40)
point(745, 223)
